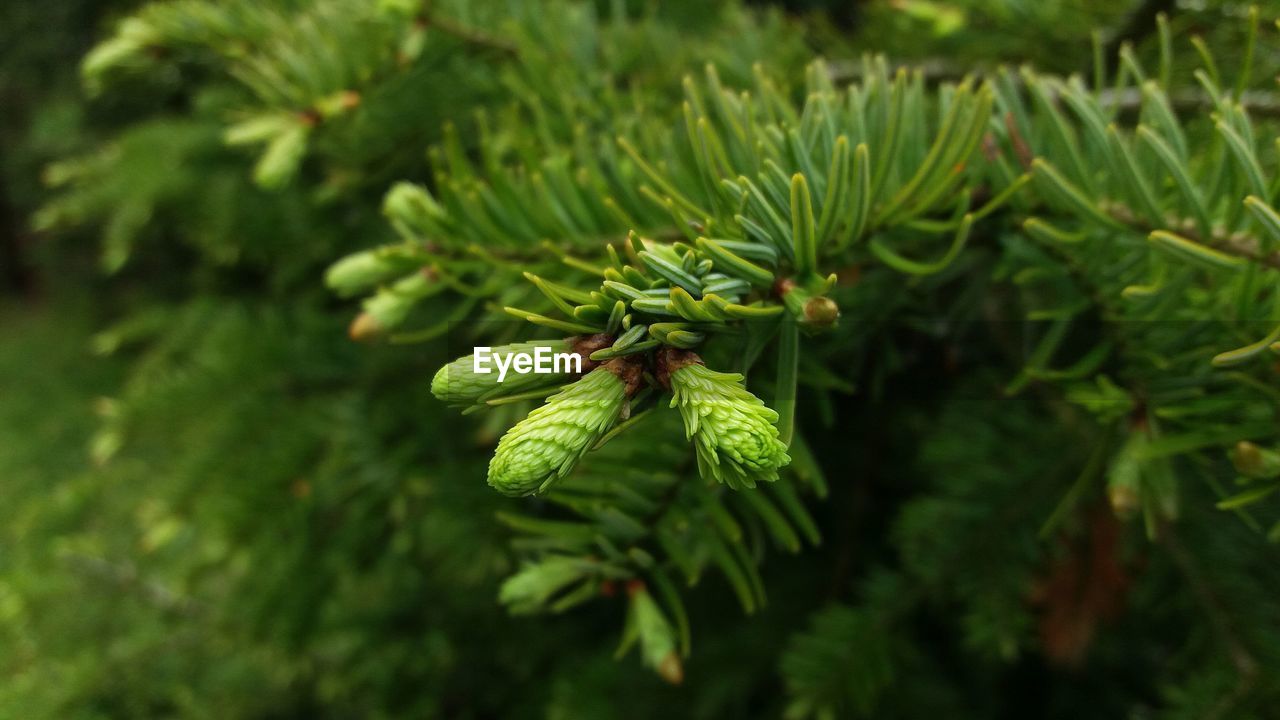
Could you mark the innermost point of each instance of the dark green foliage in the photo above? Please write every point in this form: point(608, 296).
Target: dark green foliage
point(1016, 329)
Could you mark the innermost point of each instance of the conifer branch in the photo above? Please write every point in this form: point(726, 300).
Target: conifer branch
point(725, 255)
point(469, 35)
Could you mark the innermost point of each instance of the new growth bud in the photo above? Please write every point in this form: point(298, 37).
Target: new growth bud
point(458, 383)
point(1253, 461)
point(466, 382)
point(364, 328)
point(388, 308)
point(360, 271)
point(734, 433)
point(548, 443)
point(657, 636)
point(813, 310)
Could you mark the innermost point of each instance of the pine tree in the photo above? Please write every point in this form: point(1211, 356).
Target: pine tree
point(998, 347)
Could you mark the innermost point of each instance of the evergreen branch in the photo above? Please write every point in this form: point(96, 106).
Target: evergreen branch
point(677, 227)
point(469, 35)
point(1238, 244)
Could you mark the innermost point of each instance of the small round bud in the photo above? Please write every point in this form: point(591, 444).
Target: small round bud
point(1124, 500)
point(821, 312)
point(814, 311)
point(1124, 477)
point(364, 327)
point(1254, 461)
point(1247, 458)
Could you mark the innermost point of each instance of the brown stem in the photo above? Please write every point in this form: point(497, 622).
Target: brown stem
point(629, 370)
point(669, 360)
point(1241, 245)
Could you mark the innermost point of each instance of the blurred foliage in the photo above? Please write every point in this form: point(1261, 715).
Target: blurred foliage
point(218, 506)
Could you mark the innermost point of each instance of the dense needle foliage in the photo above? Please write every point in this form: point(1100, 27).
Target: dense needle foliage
point(932, 359)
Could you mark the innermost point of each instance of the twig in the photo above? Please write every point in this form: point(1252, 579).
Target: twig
point(468, 34)
point(1128, 101)
point(1241, 245)
point(1125, 101)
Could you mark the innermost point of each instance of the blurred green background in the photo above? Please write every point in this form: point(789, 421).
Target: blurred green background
point(214, 504)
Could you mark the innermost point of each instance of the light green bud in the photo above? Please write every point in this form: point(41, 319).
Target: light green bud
point(458, 383)
point(414, 213)
point(388, 308)
point(733, 432)
point(531, 589)
point(548, 443)
point(657, 636)
point(282, 157)
point(361, 271)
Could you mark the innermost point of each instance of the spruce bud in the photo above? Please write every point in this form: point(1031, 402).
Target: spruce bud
point(734, 432)
point(813, 311)
point(549, 442)
point(388, 308)
point(1255, 462)
point(657, 636)
point(360, 271)
point(364, 328)
point(282, 157)
point(458, 383)
point(414, 213)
